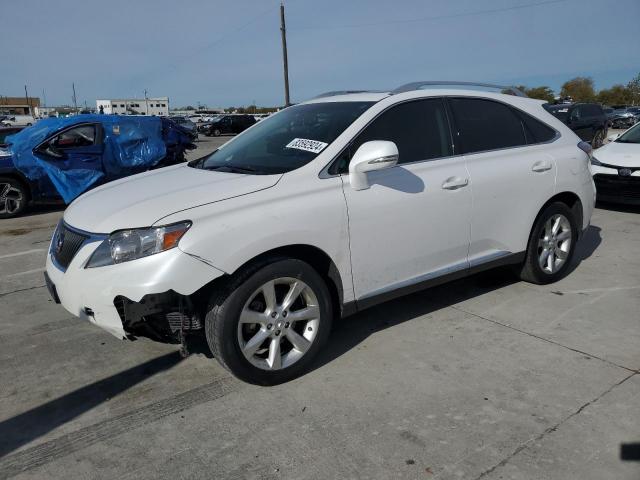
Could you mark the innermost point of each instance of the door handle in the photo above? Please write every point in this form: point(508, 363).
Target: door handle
point(541, 166)
point(453, 183)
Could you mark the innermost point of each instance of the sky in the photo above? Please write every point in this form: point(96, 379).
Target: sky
point(228, 52)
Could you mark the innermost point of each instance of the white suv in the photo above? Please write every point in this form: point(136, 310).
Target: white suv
point(321, 210)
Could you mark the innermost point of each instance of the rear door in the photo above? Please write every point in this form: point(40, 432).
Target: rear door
point(581, 122)
point(511, 174)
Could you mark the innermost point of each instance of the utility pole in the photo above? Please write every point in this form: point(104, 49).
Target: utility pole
point(26, 96)
point(283, 31)
point(75, 101)
point(146, 103)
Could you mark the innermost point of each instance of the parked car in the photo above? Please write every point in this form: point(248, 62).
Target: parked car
point(18, 120)
point(587, 120)
point(616, 168)
point(321, 210)
point(228, 124)
point(188, 125)
point(57, 159)
point(5, 132)
point(623, 118)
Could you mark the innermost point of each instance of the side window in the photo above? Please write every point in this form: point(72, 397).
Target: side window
point(82, 136)
point(590, 111)
point(486, 125)
point(418, 128)
point(535, 130)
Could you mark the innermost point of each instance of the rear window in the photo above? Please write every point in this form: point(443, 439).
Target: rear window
point(486, 125)
point(590, 111)
point(535, 130)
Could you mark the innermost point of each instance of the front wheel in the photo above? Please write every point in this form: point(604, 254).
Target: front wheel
point(217, 133)
point(270, 321)
point(551, 245)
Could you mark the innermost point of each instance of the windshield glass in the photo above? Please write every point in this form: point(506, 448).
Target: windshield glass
point(630, 136)
point(286, 141)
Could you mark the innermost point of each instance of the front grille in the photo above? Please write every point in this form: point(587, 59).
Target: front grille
point(617, 186)
point(66, 244)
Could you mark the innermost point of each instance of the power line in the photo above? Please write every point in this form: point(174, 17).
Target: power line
point(429, 19)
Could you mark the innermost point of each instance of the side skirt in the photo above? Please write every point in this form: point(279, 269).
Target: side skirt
point(355, 306)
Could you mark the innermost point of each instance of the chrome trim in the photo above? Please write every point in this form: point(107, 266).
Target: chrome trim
point(387, 159)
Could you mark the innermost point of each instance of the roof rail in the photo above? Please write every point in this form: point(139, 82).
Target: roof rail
point(418, 85)
point(345, 92)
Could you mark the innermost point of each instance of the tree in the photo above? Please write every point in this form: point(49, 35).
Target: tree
point(580, 89)
point(616, 95)
point(541, 93)
point(633, 88)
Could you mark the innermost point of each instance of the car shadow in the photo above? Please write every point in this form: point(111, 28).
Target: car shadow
point(35, 210)
point(38, 421)
point(348, 333)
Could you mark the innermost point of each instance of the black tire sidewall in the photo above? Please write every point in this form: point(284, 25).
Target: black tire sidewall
point(216, 133)
point(540, 276)
point(221, 322)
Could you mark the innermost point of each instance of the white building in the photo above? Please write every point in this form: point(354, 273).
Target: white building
point(158, 106)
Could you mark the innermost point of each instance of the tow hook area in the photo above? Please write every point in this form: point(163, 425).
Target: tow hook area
point(166, 317)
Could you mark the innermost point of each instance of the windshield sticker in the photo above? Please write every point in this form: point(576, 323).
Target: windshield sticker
point(313, 146)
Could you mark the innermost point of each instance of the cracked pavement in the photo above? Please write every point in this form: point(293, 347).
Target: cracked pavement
point(483, 378)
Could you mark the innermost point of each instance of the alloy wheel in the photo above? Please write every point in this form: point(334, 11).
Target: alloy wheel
point(279, 323)
point(10, 198)
point(554, 243)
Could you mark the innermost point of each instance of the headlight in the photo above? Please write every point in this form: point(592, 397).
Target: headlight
point(595, 161)
point(127, 245)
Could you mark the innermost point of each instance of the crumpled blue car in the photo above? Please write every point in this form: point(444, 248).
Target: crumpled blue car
point(58, 159)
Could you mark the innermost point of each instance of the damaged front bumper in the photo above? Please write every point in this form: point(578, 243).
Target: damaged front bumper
point(121, 298)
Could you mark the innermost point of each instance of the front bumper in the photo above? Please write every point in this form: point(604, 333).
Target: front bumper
point(89, 293)
point(615, 188)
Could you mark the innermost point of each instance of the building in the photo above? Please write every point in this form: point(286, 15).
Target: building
point(158, 106)
point(18, 105)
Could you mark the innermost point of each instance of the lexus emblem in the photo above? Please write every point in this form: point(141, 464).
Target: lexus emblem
point(59, 241)
point(624, 172)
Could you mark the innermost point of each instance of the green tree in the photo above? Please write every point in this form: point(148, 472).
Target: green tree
point(541, 93)
point(633, 88)
point(580, 89)
point(616, 95)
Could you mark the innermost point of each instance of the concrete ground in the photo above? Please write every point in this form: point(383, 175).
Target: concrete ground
point(485, 378)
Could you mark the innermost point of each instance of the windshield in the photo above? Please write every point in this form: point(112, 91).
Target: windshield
point(559, 112)
point(630, 136)
point(286, 141)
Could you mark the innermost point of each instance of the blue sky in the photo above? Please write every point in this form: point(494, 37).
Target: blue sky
point(228, 52)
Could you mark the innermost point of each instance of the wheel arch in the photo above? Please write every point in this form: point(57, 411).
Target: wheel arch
point(571, 200)
point(317, 258)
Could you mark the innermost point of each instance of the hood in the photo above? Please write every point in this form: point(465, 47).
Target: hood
point(142, 200)
point(619, 154)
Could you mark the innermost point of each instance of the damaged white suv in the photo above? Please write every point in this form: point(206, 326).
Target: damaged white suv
point(324, 209)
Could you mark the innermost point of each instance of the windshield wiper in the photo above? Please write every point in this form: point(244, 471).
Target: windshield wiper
point(233, 168)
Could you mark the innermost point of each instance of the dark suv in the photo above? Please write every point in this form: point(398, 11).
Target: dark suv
point(228, 124)
point(587, 120)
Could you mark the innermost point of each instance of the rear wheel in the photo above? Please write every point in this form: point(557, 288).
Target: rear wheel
point(13, 197)
point(269, 323)
point(551, 245)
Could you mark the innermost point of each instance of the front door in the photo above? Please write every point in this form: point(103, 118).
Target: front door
point(412, 224)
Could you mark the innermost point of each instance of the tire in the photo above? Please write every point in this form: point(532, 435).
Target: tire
point(216, 133)
point(598, 139)
point(245, 348)
point(13, 197)
point(28, 124)
point(539, 241)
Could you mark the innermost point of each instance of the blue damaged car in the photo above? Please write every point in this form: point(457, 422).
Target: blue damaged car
point(58, 159)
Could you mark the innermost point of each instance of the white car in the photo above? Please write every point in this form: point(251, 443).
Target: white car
point(19, 121)
point(616, 168)
point(319, 211)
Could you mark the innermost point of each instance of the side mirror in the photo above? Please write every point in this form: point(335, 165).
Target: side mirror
point(374, 155)
point(614, 137)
